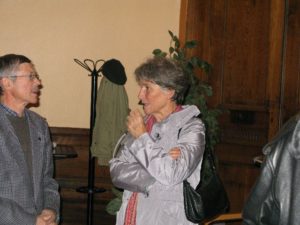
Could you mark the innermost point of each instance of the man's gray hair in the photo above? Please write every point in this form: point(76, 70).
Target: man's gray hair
point(9, 64)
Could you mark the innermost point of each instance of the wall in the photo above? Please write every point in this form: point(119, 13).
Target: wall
point(53, 33)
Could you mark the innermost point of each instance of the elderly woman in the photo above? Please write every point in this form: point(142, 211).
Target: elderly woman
point(160, 150)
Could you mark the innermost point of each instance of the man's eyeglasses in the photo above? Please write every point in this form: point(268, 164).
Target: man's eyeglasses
point(30, 76)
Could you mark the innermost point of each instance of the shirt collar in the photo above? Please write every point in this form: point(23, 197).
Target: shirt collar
point(8, 110)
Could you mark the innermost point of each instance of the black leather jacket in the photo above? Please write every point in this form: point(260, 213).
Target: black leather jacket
point(275, 198)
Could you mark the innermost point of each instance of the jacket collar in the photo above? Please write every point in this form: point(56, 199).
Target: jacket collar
point(183, 116)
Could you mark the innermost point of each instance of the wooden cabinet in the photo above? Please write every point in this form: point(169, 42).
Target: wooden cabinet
point(253, 46)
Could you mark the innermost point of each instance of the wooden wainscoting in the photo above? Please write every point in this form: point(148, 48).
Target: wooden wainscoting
point(73, 173)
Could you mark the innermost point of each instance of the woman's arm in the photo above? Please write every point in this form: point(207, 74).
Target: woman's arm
point(160, 165)
point(128, 174)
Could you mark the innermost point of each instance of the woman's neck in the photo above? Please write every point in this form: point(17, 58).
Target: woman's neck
point(168, 110)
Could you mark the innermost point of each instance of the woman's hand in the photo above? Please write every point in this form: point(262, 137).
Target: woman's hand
point(135, 123)
point(175, 153)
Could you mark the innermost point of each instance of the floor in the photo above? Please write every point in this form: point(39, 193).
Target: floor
point(75, 213)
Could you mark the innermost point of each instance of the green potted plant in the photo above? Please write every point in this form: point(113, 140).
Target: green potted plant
point(199, 90)
point(197, 95)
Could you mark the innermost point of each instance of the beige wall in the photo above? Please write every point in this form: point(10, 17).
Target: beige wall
point(54, 32)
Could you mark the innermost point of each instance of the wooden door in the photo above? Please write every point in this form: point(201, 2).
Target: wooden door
point(291, 62)
point(246, 43)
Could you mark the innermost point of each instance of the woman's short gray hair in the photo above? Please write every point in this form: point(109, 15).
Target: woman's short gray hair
point(166, 73)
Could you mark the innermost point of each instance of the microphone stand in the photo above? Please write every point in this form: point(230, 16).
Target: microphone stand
point(91, 189)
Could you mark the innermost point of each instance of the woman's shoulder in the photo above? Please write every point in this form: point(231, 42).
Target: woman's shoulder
point(191, 109)
point(189, 115)
point(194, 123)
point(191, 124)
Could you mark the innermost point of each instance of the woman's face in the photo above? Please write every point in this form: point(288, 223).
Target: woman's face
point(156, 100)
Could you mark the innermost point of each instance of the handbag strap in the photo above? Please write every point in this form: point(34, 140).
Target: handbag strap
point(211, 158)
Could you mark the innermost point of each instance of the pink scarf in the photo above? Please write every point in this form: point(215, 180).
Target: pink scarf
point(130, 214)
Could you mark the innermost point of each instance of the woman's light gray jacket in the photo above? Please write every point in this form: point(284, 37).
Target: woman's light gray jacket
point(143, 165)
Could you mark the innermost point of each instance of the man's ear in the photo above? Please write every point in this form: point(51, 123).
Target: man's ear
point(5, 83)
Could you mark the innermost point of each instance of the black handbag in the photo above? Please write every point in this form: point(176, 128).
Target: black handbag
point(209, 198)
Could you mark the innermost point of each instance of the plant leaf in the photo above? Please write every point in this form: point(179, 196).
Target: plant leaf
point(113, 206)
point(117, 192)
point(176, 42)
point(171, 50)
point(190, 44)
point(171, 34)
point(156, 51)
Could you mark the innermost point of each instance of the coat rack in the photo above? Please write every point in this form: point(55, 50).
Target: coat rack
point(91, 189)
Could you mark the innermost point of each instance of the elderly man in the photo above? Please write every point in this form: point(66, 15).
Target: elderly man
point(28, 193)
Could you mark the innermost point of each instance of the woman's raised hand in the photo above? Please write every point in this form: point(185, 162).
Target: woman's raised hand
point(135, 123)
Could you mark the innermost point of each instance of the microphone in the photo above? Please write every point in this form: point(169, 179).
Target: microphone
point(157, 136)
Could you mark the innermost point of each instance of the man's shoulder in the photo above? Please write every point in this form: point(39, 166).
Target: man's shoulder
point(35, 116)
point(290, 132)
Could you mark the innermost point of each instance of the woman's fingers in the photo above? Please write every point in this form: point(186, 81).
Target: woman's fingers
point(135, 123)
point(175, 153)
